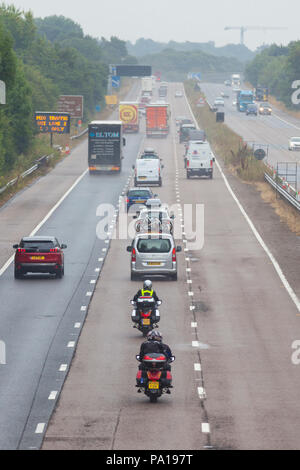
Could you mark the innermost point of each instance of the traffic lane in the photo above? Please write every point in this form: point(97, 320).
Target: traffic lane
point(248, 323)
point(99, 405)
point(30, 315)
point(28, 207)
point(101, 390)
point(266, 130)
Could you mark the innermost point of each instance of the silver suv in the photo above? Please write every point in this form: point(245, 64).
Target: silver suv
point(153, 254)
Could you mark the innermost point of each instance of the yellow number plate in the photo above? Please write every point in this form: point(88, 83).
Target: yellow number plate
point(37, 258)
point(146, 321)
point(154, 264)
point(153, 385)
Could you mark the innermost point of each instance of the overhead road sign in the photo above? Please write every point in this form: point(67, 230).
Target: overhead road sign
point(58, 123)
point(2, 92)
point(134, 70)
point(72, 104)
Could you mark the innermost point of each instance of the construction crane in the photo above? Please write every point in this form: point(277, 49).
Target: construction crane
point(245, 28)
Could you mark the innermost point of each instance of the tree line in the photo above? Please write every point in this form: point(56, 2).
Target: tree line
point(277, 67)
point(41, 59)
point(175, 65)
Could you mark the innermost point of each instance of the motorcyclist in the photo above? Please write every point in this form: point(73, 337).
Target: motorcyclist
point(154, 344)
point(146, 291)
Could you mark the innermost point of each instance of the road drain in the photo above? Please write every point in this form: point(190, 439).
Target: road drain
point(200, 306)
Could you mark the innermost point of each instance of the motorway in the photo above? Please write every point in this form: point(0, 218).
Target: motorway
point(38, 322)
point(272, 131)
point(229, 320)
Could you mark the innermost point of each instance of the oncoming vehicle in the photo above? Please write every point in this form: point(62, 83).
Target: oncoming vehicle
point(294, 143)
point(153, 254)
point(251, 109)
point(138, 196)
point(219, 102)
point(265, 108)
point(39, 255)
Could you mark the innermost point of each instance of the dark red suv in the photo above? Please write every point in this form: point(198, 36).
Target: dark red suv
point(39, 255)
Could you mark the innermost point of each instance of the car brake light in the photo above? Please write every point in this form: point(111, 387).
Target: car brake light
point(188, 163)
point(53, 250)
point(127, 200)
point(211, 163)
point(21, 250)
point(133, 255)
point(174, 254)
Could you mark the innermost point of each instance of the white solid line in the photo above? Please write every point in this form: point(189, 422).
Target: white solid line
point(197, 367)
point(258, 237)
point(77, 325)
point(37, 228)
point(52, 395)
point(262, 243)
point(63, 367)
point(40, 428)
point(71, 344)
point(205, 428)
point(287, 122)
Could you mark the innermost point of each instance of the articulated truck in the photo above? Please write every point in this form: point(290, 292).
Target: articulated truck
point(129, 115)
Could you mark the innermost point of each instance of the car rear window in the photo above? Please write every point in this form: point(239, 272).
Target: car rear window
point(154, 245)
point(150, 155)
point(139, 194)
point(37, 246)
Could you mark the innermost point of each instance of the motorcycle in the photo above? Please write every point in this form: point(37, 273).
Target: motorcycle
point(145, 314)
point(154, 379)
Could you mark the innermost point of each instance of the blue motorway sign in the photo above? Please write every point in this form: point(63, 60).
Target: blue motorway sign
point(115, 81)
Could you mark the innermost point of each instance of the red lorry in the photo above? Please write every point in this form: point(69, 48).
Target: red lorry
point(157, 119)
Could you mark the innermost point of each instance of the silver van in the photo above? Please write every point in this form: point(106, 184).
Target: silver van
point(153, 254)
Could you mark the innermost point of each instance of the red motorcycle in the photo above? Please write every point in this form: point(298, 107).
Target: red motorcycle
point(145, 314)
point(153, 378)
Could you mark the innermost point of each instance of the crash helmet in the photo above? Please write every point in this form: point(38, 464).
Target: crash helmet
point(147, 284)
point(154, 335)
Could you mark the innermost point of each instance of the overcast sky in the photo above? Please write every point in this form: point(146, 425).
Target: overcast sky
point(178, 20)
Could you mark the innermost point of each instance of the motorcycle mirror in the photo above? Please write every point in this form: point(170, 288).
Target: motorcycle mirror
point(137, 357)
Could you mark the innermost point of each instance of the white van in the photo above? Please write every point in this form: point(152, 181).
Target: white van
point(147, 171)
point(199, 160)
